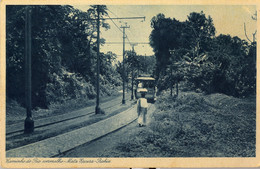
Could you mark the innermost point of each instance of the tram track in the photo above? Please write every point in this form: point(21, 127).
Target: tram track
point(96, 147)
point(47, 121)
point(48, 129)
point(53, 146)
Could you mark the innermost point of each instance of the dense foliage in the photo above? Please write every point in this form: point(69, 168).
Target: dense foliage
point(136, 65)
point(63, 54)
point(189, 51)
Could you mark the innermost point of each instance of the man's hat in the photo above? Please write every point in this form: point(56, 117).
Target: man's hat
point(143, 90)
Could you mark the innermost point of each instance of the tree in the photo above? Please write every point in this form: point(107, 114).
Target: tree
point(63, 53)
point(222, 64)
point(45, 49)
point(254, 17)
point(165, 35)
point(191, 37)
point(15, 28)
point(197, 35)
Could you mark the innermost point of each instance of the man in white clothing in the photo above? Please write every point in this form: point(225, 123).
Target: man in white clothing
point(142, 106)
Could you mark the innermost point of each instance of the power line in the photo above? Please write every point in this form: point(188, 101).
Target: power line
point(119, 29)
point(115, 23)
point(123, 18)
point(124, 37)
point(112, 12)
point(128, 39)
point(127, 42)
point(130, 12)
point(131, 32)
point(120, 18)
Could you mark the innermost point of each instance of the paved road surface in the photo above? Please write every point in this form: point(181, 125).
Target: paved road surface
point(106, 144)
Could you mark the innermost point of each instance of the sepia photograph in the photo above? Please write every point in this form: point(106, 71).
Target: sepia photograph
point(98, 84)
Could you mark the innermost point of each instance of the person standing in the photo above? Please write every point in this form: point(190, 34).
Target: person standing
point(142, 106)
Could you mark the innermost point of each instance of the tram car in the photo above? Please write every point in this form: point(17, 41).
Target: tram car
point(148, 83)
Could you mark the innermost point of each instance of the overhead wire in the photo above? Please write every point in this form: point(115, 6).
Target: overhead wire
point(112, 12)
point(129, 29)
point(114, 23)
point(117, 26)
point(119, 29)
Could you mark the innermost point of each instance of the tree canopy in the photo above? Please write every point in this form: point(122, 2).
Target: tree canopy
point(63, 53)
point(205, 61)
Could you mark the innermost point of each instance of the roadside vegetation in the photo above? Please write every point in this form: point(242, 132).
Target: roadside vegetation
point(212, 111)
point(195, 125)
point(190, 51)
point(64, 55)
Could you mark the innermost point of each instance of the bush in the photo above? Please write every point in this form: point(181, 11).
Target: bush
point(66, 85)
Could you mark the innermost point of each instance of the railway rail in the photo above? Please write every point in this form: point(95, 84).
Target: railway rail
point(59, 124)
point(53, 146)
point(47, 121)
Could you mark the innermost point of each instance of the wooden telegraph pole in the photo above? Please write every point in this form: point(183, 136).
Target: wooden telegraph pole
point(98, 61)
point(124, 27)
point(98, 110)
point(28, 123)
point(171, 62)
point(132, 88)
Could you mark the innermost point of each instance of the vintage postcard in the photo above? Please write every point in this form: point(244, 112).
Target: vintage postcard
point(109, 84)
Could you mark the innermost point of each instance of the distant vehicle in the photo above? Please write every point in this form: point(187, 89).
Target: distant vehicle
point(147, 83)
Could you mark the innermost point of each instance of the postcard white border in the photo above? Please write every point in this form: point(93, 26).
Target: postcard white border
point(122, 162)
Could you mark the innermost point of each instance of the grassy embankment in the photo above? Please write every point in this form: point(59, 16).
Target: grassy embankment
point(196, 125)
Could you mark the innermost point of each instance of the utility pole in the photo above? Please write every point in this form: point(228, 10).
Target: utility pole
point(146, 65)
point(133, 51)
point(171, 78)
point(171, 62)
point(172, 53)
point(98, 61)
point(28, 123)
point(98, 110)
point(124, 27)
point(131, 43)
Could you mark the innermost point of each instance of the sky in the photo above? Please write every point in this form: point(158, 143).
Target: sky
point(227, 19)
